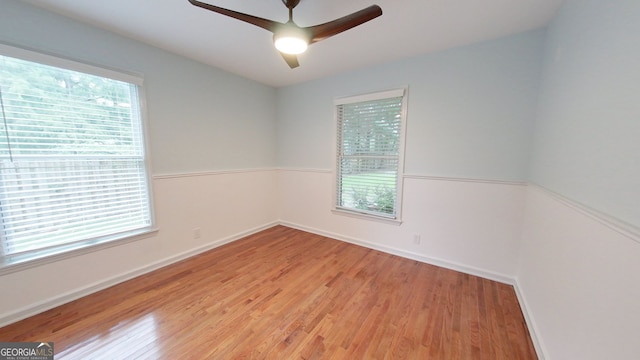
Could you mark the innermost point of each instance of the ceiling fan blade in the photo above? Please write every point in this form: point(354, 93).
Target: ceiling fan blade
point(254, 20)
point(292, 60)
point(328, 29)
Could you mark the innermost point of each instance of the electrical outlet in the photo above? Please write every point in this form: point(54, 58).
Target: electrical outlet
point(196, 233)
point(416, 239)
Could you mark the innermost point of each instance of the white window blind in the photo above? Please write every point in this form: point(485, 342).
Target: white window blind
point(72, 159)
point(369, 153)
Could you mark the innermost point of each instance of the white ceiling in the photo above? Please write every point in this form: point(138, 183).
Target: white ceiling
point(407, 28)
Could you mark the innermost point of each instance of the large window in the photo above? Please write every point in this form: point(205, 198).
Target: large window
point(73, 170)
point(369, 153)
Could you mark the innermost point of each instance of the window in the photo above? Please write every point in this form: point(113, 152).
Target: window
point(370, 137)
point(73, 170)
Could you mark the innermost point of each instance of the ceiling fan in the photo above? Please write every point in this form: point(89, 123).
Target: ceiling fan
point(289, 38)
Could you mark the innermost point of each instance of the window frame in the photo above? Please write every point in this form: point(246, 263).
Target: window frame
point(49, 255)
point(362, 214)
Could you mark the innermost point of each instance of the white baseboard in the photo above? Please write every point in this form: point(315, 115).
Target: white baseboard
point(103, 284)
point(445, 264)
point(529, 320)
point(76, 294)
point(407, 254)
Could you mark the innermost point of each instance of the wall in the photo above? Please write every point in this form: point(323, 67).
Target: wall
point(212, 152)
point(470, 117)
point(578, 280)
point(579, 267)
point(472, 111)
point(188, 102)
point(587, 131)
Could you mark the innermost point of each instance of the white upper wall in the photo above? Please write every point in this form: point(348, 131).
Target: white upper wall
point(200, 118)
point(587, 138)
point(470, 110)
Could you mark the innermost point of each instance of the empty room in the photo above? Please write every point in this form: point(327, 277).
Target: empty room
point(411, 180)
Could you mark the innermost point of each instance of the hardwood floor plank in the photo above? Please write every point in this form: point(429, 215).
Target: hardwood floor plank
point(473, 324)
point(287, 294)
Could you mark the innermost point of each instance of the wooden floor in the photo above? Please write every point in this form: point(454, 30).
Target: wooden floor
point(287, 294)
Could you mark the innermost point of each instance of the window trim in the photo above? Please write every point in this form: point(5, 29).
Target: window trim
point(74, 251)
point(355, 213)
point(69, 64)
point(47, 255)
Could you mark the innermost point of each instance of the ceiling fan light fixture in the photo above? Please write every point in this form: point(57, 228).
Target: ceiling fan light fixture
point(290, 39)
point(291, 45)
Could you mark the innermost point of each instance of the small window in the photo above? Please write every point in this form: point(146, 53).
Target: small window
point(369, 156)
point(73, 170)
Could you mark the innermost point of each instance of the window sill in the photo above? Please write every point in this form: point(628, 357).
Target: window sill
point(365, 216)
point(8, 266)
